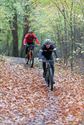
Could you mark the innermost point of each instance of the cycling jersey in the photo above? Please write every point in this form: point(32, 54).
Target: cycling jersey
point(29, 39)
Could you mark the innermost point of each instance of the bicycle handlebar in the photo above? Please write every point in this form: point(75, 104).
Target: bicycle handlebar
point(31, 45)
point(44, 60)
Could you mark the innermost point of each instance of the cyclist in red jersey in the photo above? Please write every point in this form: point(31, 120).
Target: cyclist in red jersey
point(29, 40)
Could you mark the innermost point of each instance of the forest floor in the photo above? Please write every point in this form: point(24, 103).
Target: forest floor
point(25, 98)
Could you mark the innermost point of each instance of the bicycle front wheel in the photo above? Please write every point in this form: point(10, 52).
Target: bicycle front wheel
point(47, 77)
point(31, 59)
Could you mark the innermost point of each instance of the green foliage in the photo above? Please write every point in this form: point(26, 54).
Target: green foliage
point(46, 18)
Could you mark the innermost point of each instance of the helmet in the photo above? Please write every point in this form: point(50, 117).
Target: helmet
point(48, 41)
point(30, 31)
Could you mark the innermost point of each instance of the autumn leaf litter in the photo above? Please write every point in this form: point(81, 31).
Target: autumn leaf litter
point(25, 98)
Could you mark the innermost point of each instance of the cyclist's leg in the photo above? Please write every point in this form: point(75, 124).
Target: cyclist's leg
point(52, 66)
point(44, 68)
point(32, 55)
point(26, 50)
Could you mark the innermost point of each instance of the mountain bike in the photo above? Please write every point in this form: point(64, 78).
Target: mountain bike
point(49, 74)
point(30, 55)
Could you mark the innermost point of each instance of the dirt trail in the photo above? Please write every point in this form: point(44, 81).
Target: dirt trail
point(25, 98)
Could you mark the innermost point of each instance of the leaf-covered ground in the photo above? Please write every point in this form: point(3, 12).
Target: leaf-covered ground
point(25, 98)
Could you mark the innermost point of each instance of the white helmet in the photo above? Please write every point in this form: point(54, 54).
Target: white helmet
point(30, 30)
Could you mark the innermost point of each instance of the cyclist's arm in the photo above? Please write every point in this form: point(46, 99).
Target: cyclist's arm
point(25, 39)
point(54, 50)
point(36, 39)
point(40, 54)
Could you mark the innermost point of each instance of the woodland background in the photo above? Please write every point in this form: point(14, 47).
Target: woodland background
point(60, 20)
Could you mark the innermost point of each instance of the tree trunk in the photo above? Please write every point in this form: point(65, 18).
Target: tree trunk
point(8, 50)
point(25, 31)
point(14, 29)
point(65, 50)
point(72, 36)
